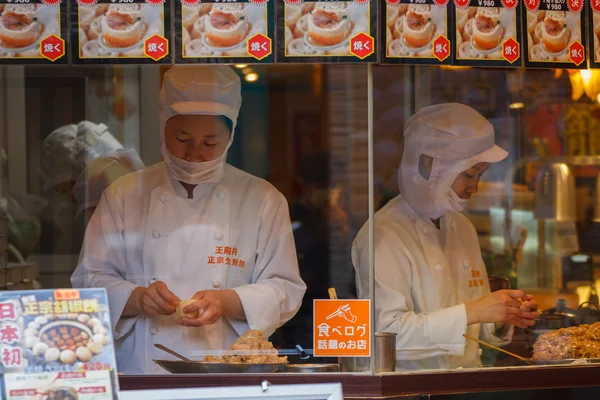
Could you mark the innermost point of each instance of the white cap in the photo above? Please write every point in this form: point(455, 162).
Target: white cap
point(207, 90)
point(456, 137)
point(452, 132)
point(199, 90)
point(67, 151)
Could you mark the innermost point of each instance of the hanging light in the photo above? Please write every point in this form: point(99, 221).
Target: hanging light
point(251, 77)
point(516, 106)
point(240, 66)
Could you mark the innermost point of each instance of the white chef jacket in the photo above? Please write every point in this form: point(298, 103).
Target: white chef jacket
point(422, 285)
point(233, 234)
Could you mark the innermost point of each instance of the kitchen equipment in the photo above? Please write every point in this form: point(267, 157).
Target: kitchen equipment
point(555, 193)
point(589, 312)
point(310, 368)
point(172, 352)
point(385, 352)
point(199, 367)
point(385, 356)
point(556, 317)
point(491, 346)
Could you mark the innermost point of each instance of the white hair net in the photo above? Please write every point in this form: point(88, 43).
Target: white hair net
point(67, 151)
point(455, 137)
point(199, 90)
point(100, 173)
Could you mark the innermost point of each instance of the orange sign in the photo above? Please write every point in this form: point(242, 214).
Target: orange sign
point(66, 294)
point(342, 328)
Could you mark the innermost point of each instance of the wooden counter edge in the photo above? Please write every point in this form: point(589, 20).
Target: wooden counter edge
point(395, 385)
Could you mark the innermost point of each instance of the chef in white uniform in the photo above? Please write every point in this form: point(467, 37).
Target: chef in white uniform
point(191, 227)
point(431, 286)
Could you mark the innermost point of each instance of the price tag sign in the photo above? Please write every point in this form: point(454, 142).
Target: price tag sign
point(405, 44)
point(199, 40)
point(41, 35)
point(354, 40)
point(567, 49)
point(57, 343)
point(487, 33)
point(144, 27)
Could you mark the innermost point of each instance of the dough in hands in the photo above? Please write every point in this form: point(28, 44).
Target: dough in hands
point(183, 304)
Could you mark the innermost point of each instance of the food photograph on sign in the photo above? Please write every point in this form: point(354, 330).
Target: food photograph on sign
point(41, 332)
point(117, 30)
point(221, 29)
point(551, 33)
point(412, 29)
point(24, 26)
point(481, 32)
point(324, 28)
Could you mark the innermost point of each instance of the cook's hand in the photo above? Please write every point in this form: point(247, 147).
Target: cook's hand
point(503, 306)
point(157, 299)
point(529, 303)
point(212, 305)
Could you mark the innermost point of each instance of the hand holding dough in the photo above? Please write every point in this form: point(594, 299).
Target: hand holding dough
point(183, 304)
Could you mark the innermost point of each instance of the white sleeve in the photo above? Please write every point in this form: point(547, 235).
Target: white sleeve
point(497, 337)
point(276, 291)
point(102, 262)
point(420, 335)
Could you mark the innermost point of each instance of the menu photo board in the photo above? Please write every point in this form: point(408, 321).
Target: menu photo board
point(594, 33)
point(555, 34)
point(217, 31)
point(121, 31)
point(33, 32)
point(57, 344)
point(327, 31)
point(416, 32)
point(487, 33)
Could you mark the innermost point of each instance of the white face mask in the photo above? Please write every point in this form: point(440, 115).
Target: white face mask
point(193, 173)
point(456, 203)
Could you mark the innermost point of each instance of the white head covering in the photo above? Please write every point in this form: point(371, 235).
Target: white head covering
point(198, 90)
point(456, 137)
point(68, 149)
point(100, 173)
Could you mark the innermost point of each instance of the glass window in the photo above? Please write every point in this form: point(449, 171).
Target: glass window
point(299, 198)
point(455, 222)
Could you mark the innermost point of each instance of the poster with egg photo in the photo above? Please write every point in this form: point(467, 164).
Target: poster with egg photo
point(594, 33)
point(555, 36)
point(416, 33)
point(327, 31)
point(57, 341)
point(113, 32)
point(33, 32)
point(240, 32)
point(487, 33)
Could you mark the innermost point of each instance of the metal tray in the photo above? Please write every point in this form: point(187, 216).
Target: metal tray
point(199, 367)
point(310, 368)
point(564, 362)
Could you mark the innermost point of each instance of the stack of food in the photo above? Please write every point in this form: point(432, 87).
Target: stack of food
point(250, 348)
point(576, 342)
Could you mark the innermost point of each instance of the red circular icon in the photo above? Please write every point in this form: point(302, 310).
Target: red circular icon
point(51, 2)
point(461, 3)
point(86, 3)
point(190, 2)
point(575, 5)
point(156, 3)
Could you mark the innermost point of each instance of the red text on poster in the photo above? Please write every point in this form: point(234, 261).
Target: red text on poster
point(259, 46)
point(156, 47)
point(342, 328)
point(52, 47)
point(575, 5)
point(441, 48)
point(576, 52)
point(362, 45)
point(510, 50)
